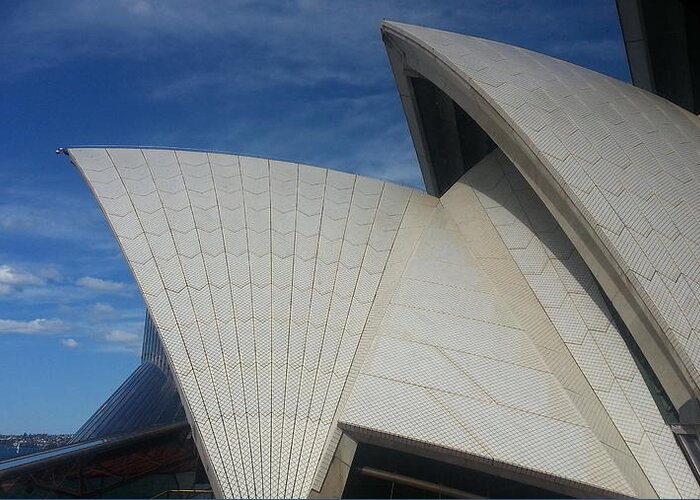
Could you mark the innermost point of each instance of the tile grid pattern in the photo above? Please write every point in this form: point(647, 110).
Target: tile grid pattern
point(568, 294)
point(260, 277)
point(398, 256)
point(475, 382)
point(263, 310)
point(497, 263)
point(628, 160)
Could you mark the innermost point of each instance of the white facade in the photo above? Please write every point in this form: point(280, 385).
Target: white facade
point(296, 303)
point(261, 277)
point(616, 166)
point(514, 358)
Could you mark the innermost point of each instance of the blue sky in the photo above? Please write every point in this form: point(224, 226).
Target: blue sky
point(303, 80)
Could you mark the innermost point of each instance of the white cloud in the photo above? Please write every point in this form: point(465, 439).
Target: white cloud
point(121, 340)
point(32, 327)
point(14, 280)
point(51, 273)
point(100, 284)
point(69, 343)
point(103, 308)
point(133, 349)
point(11, 276)
point(100, 311)
point(122, 336)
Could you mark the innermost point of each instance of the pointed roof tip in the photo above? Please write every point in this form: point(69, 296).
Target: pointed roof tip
point(396, 25)
point(404, 28)
point(63, 151)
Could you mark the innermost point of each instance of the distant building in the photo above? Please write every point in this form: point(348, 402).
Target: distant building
point(526, 328)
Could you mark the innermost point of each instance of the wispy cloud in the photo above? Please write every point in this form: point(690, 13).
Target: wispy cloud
point(302, 32)
point(264, 42)
point(122, 336)
point(122, 340)
point(13, 279)
point(102, 312)
point(69, 343)
point(51, 272)
point(50, 216)
point(12, 276)
point(33, 327)
point(101, 285)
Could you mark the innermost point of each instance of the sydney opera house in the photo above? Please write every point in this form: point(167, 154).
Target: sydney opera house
point(527, 326)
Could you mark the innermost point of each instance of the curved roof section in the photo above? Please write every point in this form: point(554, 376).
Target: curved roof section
point(516, 361)
point(618, 167)
point(267, 282)
point(261, 278)
point(573, 303)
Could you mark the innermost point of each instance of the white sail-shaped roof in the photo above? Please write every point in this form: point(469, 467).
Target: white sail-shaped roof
point(618, 167)
point(516, 362)
point(295, 303)
point(291, 298)
point(260, 277)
